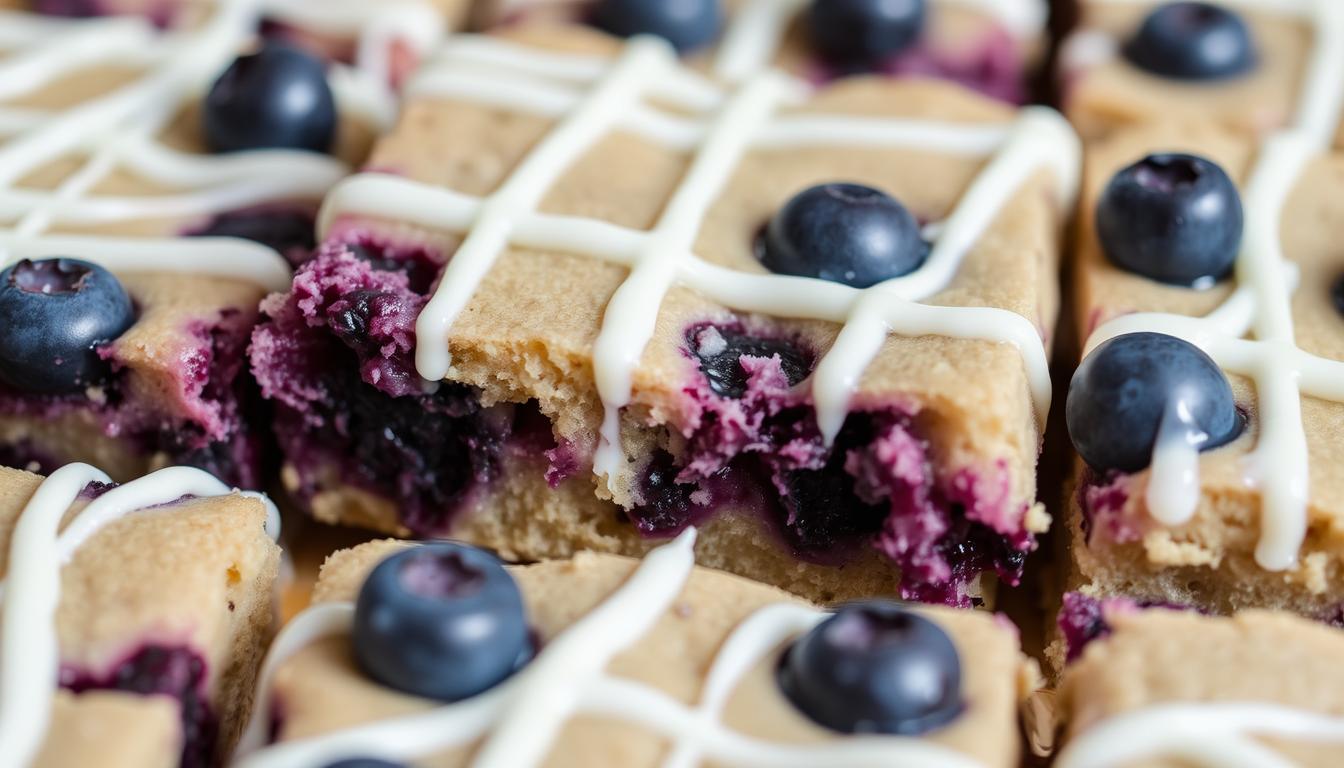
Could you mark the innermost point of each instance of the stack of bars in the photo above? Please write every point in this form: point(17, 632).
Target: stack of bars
point(698, 356)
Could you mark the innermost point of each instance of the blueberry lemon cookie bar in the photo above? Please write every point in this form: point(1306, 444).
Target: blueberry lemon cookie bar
point(133, 616)
point(811, 323)
point(1254, 66)
point(1169, 688)
point(134, 168)
point(437, 654)
point(1208, 406)
point(991, 47)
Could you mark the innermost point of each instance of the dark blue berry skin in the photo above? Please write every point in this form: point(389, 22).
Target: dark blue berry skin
point(875, 667)
point(845, 233)
point(276, 98)
point(1172, 218)
point(1193, 41)
point(864, 32)
point(1122, 391)
point(687, 24)
point(291, 233)
point(56, 313)
point(444, 621)
point(365, 762)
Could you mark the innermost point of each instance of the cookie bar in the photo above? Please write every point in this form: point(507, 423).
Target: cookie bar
point(106, 128)
point(1252, 66)
point(991, 47)
point(611, 360)
point(134, 616)
point(1169, 689)
point(640, 663)
point(1207, 409)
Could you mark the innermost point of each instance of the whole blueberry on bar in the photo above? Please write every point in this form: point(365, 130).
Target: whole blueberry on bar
point(1193, 41)
point(864, 32)
point(686, 24)
point(846, 233)
point(875, 667)
point(276, 98)
point(1129, 384)
point(1173, 218)
point(55, 314)
point(444, 621)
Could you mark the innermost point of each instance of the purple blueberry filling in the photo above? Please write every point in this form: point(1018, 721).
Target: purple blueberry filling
point(755, 439)
point(207, 425)
point(1103, 500)
point(161, 14)
point(993, 67)
point(1082, 619)
point(336, 356)
point(173, 671)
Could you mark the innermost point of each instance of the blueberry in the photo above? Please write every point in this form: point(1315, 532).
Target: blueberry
point(56, 313)
point(1173, 218)
point(277, 98)
point(875, 667)
point(1193, 41)
point(845, 233)
point(444, 621)
point(686, 24)
point(864, 32)
point(1123, 390)
point(720, 352)
point(289, 232)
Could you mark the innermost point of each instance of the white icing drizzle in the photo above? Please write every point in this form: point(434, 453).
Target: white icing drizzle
point(756, 32)
point(118, 129)
point(592, 103)
point(1207, 735)
point(1262, 308)
point(519, 719)
point(29, 650)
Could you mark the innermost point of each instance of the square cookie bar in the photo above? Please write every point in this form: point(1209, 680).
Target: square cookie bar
point(992, 47)
point(1170, 689)
point(155, 156)
point(606, 359)
point(1208, 405)
point(1252, 66)
point(605, 661)
point(134, 616)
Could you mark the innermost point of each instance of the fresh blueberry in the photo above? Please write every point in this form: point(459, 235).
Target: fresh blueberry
point(56, 313)
point(1173, 218)
point(846, 233)
point(365, 762)
point(1127, 386)
point(1193, 41)
point(444, 621)
point(686, 24)
point(720, 351)
point(276, 98)
point(289, 232)
point(875, 667)
point(864, 32)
